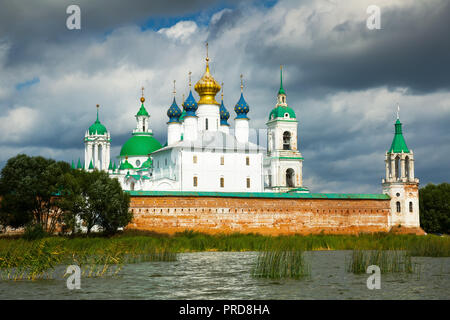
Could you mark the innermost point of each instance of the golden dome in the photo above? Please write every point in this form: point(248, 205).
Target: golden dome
point(207, 87)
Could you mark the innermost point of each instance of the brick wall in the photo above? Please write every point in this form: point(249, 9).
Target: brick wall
point(262, 215)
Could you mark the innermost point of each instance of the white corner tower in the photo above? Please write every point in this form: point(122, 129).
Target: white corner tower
point(97, 143)
point(284, 170)
point(400, 183)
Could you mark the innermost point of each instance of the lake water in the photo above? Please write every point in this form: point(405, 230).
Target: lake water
point(227, 275)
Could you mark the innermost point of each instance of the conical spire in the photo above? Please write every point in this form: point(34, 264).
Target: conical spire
point(142, 111)
point(398, 143)
point(281, 91)
point(79, 166)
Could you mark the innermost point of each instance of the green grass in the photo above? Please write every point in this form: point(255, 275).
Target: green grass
point(388, 261)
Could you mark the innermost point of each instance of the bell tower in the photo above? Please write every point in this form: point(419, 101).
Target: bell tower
point(97, 146)
point(284, 172)
point(400, 183)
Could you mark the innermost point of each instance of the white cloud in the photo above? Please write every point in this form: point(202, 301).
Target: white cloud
point(182, 30)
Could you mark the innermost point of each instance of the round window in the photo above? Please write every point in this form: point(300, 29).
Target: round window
point(138, 163)
point(286, 115)
point(398, 194)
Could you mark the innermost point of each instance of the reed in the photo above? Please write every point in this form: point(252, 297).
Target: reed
point(282, 263)
point(388, 261)
point(38, 259)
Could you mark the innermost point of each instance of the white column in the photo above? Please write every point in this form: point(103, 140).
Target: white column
point(386, 161)
point(411, 169)
point(173, 132)
point(225, 129)
point(104, 164)
point(190, 128)
point(241, 130)
point(108, 154)
point(88, 158)
point(393, 168)
point(403, 169)
point(86, 148)
point(95, 158)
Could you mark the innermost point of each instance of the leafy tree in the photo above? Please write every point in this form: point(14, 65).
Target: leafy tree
point(434, 201)
point(28, 186)
point(96, 199)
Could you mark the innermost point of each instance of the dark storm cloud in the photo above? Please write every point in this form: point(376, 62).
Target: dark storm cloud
point(411, 50)
point(342, 82)
point(31, 25)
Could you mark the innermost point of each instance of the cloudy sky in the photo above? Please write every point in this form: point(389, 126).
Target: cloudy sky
point(342, 79)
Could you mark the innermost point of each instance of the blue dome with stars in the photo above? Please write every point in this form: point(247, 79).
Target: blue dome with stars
point(224, 115)
point(241, 108)
point(174, 112)
point(190, 105)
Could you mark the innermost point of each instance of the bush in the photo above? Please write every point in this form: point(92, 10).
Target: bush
point(34, 232)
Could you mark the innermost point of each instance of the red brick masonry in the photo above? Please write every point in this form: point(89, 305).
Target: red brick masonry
point(273, 216)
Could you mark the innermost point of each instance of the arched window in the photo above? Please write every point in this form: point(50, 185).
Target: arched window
point(248, 182)
point(399, 208)
point(195, 182)
point(206, 124)
point(286, 140)
point(222, 182)
point(132, 186)
point(397, 168)
point(143, 125)
point(410, 206)
point(290, 176)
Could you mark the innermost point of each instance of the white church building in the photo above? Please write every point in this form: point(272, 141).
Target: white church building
point(202, 152)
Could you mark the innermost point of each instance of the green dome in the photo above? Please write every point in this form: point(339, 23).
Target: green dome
point(140, 145)
point(97, 127)
point(126, 165)
point(279, 112)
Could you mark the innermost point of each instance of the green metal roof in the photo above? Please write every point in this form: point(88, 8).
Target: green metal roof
point(261, 195)
point(140, 145)
point(79, 166)
point(142, 111)
point(91, 166)
point(147, 164)
point(398, 144)
point(125, 165)
point(278, 112)
point(97, 127)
